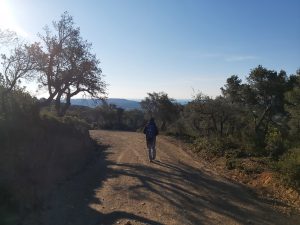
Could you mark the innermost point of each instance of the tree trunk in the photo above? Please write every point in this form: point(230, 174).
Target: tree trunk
point(163, 125)
point(66, 105)
point(262, 118)
point(221, 128)
point(215, 124)
point(58, 105)
point(48, 101)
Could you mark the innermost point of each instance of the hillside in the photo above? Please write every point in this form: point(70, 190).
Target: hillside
point(119, 102)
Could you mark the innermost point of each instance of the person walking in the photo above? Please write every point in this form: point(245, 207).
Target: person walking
point(151, 132)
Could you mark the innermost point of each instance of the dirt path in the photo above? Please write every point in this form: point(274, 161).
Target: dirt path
point(122, 187)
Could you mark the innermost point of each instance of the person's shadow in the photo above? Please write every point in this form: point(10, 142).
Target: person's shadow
point(71, 202)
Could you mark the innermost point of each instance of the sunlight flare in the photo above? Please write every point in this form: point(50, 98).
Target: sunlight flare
point(7, 20)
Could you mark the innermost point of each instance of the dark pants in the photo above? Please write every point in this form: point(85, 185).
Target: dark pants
point(151, 147)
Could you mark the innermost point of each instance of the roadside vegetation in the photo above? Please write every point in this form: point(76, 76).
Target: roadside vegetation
point(257, 119)
point(254, 125)
point(38, 148)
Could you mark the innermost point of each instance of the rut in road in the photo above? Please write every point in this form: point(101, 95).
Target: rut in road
point(123, 187)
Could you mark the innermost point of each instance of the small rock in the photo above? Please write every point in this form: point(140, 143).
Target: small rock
point(143, 203)
point(128, 223)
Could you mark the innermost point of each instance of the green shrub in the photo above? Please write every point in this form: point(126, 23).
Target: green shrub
point(217, 146)
point(178, 128)
point(36, 152)
point(64, 124)
point(230, 143)
point(274, 143)
point(17, 105)
point(77, 123)
point(206, 145)
point(210, 146)
point(289, 167)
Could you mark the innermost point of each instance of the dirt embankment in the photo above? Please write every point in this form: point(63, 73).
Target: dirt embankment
point(254, 172)
point(35, 158)
point(123, 187)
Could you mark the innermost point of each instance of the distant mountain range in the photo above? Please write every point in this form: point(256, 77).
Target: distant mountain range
point(119, 102)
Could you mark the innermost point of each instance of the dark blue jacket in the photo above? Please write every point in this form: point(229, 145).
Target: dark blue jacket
point(151, 130)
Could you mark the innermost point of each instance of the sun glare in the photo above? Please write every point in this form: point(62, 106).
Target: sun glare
point(7, 20)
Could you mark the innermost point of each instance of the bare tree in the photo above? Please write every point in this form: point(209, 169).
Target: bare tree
point(19, 65)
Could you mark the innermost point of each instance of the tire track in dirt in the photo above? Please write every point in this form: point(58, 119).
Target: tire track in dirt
point(123, 187)
point(176, 189)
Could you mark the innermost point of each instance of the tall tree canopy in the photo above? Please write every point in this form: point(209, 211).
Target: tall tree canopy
point(263, 97)
point(66, 65)
point(160, 106)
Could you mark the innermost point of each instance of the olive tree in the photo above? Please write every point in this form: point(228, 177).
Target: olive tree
point(66, 65)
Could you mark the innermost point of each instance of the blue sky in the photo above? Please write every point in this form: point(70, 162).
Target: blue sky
point(173, 46)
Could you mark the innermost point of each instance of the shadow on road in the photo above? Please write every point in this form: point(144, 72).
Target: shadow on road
point(194, 192)
point(191, 192)
point(70, 203)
